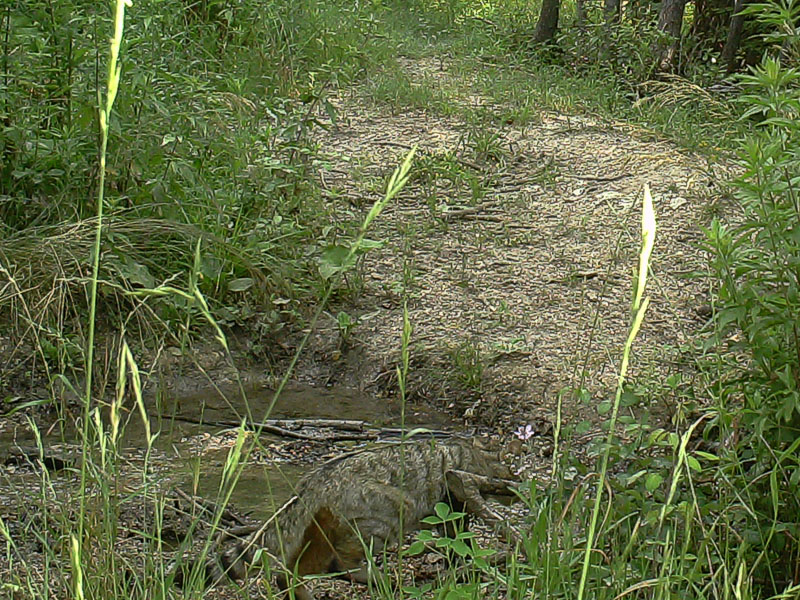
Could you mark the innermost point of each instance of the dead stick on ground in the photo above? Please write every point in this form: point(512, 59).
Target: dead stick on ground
point(362, 430)
point(283, 432)
point(595, 178)
point(458, 159)
point(207, 506)
point(470, 210)
point(345, 424)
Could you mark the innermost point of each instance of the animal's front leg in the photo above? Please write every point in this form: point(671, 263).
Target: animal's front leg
point(465, 488)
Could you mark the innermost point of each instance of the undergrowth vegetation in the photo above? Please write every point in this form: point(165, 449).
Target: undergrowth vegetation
point(211, 208)
point(210, 145)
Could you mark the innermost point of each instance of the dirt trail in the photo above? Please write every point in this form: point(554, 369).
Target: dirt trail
point(510, 293)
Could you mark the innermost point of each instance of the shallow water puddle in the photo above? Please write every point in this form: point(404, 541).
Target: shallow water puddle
point(196, 428)
point(227, 404)
point(206, 420)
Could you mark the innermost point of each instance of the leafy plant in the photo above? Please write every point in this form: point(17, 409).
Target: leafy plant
point(210, 141)
point(346, 325)
point(756, 264)
point(468, 361)
point(455, 545)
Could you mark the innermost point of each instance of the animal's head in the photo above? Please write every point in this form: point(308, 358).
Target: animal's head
point(494, 458)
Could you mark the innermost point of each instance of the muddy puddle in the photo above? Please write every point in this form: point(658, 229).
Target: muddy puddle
point(196, 428)
point(229, 404)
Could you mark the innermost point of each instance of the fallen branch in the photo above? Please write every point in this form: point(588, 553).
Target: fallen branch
point(458, 159)
point(470, 210)
point(274, 428)
point(597, 178)
point(227, 517)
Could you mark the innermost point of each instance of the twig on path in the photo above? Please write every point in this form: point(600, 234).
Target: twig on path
point(227, 517)
point(361, 430)
point(353, 199)
point(331, 437)
point(488, 218)
point(597, 178)
point(470, 210)
point(345, 424)
point(283, 432)
point(392, 432)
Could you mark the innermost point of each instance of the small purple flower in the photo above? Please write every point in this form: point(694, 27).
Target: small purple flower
point(525, 433)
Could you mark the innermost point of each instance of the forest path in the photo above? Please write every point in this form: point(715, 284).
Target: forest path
point(516, 244)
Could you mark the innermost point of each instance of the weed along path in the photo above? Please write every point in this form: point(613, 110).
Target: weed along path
point(513, 247)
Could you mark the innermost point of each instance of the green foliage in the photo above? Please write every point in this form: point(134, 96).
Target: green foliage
point(756, 262)
point(593, 67)
point(209, 142)
point(468, 364)
point(346, 325)
point(209, 191)
point(456, 546)
point(665, 530)
point(777, 18)
point(624, 52)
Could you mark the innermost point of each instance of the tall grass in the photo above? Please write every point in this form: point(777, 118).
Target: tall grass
point(656, 518)
point(96, 566)
point(639, 309)
point(649, 521)
point(112, 85)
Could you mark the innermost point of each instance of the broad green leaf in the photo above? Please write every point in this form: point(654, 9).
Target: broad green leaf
point(460, 548)
point(240, 285)
point(415, 548)
point(653, 481)
point(335, 259)
point(442, 510)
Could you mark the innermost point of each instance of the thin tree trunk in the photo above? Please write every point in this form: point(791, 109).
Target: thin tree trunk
point(580, 12)
point(670, 21)
point(611, 10)
point(728, 54)
point(547, 26)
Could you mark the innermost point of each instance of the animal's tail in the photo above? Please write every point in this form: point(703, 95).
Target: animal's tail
point(277, 536)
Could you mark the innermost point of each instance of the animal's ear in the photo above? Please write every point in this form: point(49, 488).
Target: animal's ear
point(480, 443)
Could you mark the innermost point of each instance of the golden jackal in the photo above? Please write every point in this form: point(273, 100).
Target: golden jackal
point(363, 499)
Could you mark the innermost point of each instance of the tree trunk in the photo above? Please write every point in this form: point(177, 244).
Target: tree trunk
point(611, 9)
point(670, 21)
point(580, 12)
point(728, 54)
point(547, 26)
